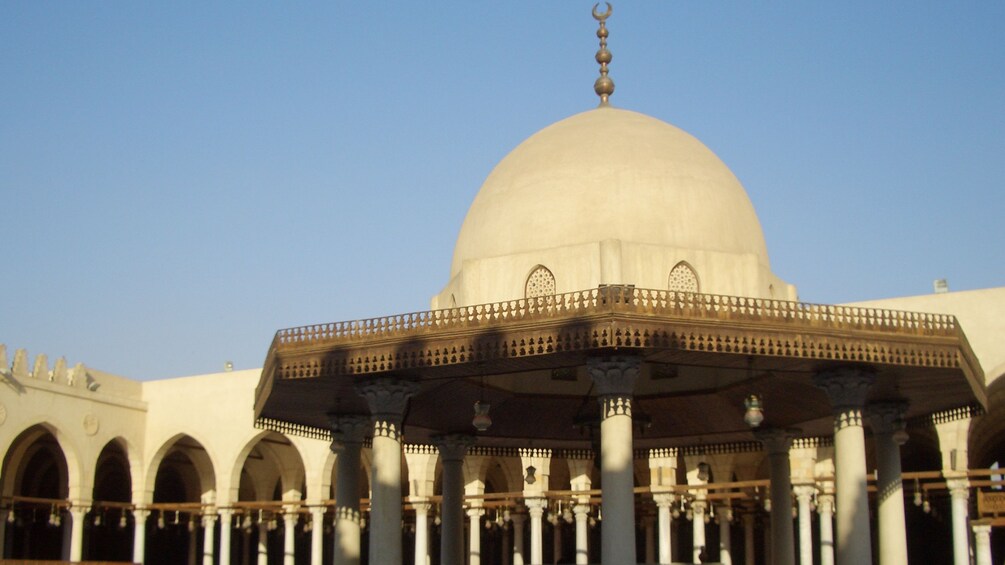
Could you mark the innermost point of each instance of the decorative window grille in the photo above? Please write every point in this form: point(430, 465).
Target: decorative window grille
point(683, 278)
point(540, 282)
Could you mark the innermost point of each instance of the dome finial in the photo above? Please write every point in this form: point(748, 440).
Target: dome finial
point(604, 86)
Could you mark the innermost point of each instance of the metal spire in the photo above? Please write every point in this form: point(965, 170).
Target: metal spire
point(604, 86)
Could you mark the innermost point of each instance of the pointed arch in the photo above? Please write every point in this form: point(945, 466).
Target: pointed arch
point(540, 282)
point(683, 278)
point(274, 450)
point(202, 477)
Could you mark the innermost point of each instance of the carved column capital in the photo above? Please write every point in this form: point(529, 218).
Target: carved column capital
point(453, 447)
point(846, 387)
point(614, 376)
point(698, 508)
point(580, 509)
point(887, 418)
point(825, 503)
point(959, 489)
point(804, 492)
point(388, 398)
point(776, 441)
point(421, 508)
point(535, 506)
point(663, 500)
point(476, 512)
point(348, 429)
point(614, 379)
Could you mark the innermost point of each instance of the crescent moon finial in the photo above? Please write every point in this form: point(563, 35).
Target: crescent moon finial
point(604, 86)
point(601, 17)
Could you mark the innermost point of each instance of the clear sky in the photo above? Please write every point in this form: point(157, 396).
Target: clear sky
point(181, 179)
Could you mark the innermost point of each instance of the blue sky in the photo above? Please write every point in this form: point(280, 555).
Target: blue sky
point(182, 179)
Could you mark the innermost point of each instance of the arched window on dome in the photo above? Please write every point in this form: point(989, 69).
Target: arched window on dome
point(683, 278)
point(540, 282)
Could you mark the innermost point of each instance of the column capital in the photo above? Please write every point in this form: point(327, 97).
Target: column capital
point(476, 512)
point(776, 441)
point(209, 518)
point(453, 447)
point(981, 529)
point(725, 512)
point(422, 507)
point(698, 507)
point(517, 519)
point(614, 376)
point(348, 429)
point(140, 513)
point(804, 491)
point(387, 397)
point(580, 509)
point(887, 418)
point(535, 506)
point(825, 503)
point(663, 500)
point(846, 387)
point(958, 488)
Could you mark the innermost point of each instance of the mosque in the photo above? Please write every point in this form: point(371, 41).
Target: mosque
point(611, 374)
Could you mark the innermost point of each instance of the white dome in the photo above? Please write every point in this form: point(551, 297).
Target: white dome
point(610, 174)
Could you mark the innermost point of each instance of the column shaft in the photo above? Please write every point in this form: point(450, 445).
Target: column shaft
point(263, 543)
point(749, 555)
point(959, 492)
point(982, 543)
point(581, 512)
point(887, 420)
point(518, 549)
point(140, 535)
point(825, 505)
point(387, 399)
point(452, 448)
point(226, 523)
point(475, 536)
point(776, 442)
point(804, 495)
point(698, 553)
point(290, 518)
point(847, 389)
point(421, 533)
point(614, 379)
point(348, 433)
point(663, 519)
point(77, 514)
point(725, 533)
point(317, 535)
point(535, 508)
point(208, 535)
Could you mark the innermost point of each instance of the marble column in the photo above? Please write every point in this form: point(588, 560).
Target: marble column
point(556, 540)
point(982, 543)
point(725, 535)
point(505, 544)
point(475, 535)
point(847, 389)
point(140, 515)
point(263, 543)
point(777, 442)
point(387, 398)
point(452, 448)
point(649, 527)
point(226, 524)
point(959, 493)
point(290, 519)
point(749, 555)
point(663, 518)
point(888, 425)
point(348, 433)
point(825, 507)
point(581, 514)
point(614, 378)
point(421, 532)
point(804, 497)
point(77, 515)
point(518, 548)
point(698, 509)
point(317, 535)
point(535, 508)
point(208, 537)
